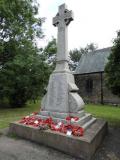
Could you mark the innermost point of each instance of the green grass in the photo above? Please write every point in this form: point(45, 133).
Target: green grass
point(109, 113)
point(8, 115)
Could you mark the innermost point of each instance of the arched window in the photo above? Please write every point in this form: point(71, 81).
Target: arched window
point(89, 85)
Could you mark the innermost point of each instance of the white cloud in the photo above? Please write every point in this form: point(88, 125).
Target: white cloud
point(95, 21)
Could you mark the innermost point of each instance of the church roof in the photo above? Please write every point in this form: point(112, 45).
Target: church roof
point(93, 61)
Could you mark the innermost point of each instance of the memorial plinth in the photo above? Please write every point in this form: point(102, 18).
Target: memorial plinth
point(80, 147)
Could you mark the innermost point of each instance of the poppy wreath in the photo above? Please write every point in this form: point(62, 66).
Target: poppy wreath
point(34, 121)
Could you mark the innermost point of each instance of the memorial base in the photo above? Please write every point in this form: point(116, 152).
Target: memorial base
point(81, 147)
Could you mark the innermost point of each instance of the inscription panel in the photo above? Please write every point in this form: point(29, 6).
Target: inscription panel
point(58, 95)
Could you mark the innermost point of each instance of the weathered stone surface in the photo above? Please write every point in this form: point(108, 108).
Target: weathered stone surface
point(81, 147)
point(58, 99)
point(61, 20)
point(78, 114)
point(57, 95)
point(75, 102)
point(73, 87)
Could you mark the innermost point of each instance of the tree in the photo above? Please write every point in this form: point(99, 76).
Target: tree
point(17, 24)
point(75, 54)
point(50, 52)
point(91, 47)
point(23, 72)
point(112, 69)
point(24, 78)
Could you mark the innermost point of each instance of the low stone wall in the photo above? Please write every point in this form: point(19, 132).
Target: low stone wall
point(99, 93)
point(95, 95)
point(109, 98)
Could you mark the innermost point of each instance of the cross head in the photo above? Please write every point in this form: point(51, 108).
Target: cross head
point(64, 16)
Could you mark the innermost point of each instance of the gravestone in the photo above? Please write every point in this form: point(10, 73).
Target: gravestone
point(62, 99)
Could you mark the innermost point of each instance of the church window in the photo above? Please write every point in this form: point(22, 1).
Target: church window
point(89, 85)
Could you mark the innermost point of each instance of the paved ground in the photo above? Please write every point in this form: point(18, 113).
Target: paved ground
point(19, 149)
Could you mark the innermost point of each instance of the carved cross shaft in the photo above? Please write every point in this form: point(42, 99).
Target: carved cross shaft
point(62, 20)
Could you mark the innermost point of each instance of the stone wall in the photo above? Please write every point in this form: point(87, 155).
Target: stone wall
point(108, 96)
point(99, 92)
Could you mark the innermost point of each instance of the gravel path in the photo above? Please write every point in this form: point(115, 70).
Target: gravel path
point(19, 149)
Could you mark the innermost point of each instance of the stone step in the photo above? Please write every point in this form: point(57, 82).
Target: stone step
point(54, 118)
point(89, 123)
point(41, 116)
point(80, 114)
point(83, 120)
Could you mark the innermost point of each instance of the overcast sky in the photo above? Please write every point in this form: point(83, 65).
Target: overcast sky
point(94, 21)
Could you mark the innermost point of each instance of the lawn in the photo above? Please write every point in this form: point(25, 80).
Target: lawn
point(13, 114)
point(110, 113)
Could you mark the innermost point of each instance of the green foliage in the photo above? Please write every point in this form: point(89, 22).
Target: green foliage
point(24, 78)
point(17, 24)
point(50, 52)
point(23, 72)
point(50, 49)
point(75, 56)
point(112, 68)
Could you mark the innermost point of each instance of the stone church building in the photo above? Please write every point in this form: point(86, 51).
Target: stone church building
point(90, 78)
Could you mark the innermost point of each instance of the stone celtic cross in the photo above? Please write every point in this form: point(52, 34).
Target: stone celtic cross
point(61, 99)
point(62, 20)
